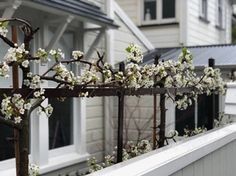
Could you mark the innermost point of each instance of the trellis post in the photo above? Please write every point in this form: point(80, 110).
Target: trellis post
point(120, 118)
point(211, 102)
point(154, 135)
point(15, 85)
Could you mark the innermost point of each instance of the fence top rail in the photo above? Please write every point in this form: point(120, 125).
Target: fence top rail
point(170, 159)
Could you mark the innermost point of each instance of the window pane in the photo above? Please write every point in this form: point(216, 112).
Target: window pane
point(6, 145)
point(61, 123)
point(220, 13)
point(150, 10)
point(204, 8)
point(168, 8)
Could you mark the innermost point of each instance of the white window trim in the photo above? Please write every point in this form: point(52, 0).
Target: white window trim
point(201, 13)
point(222, 25)
point(159, 19)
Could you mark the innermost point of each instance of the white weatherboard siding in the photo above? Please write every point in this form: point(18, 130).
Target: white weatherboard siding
point(131, 8)
point(202, 33)
point(122, 38)
point(163, 36)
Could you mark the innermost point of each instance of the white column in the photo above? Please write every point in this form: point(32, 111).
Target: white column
point(39, 137)
point(108, 101)
point(79, 104)
point(9, 11)
point(183, 22)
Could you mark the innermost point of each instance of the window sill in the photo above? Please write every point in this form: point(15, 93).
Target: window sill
point(220, 28)
point(158, 24)
point(55, 163)
point(204, 19)
point(62, 161)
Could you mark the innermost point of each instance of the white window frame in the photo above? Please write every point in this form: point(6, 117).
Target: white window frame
point(159, 18)
point(40, 154)
point(203, 14)
point(222, 7)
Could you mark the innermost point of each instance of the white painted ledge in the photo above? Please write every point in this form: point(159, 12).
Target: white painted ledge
point(54, 163)
point(62, 161)
point(170, 159)
point(230, 99)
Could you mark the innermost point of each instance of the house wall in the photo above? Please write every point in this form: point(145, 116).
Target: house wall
point(122, 38)
point(131, 8)
point(204, 33)
point(162, 36)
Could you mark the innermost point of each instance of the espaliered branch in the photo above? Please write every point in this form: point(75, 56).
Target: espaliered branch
point(98, 78)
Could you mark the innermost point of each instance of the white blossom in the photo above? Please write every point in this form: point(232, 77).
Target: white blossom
point(4, 70)
point(57, 54)
point(3, 29)
point(25, 63)
point(18, 119)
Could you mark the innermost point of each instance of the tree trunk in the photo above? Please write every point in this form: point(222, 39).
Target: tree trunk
point(24, 147)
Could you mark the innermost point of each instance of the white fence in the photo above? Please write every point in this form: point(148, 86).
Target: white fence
point(210, 154)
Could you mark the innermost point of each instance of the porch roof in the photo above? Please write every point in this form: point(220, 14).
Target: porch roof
point(79, 8)
point(224, 55)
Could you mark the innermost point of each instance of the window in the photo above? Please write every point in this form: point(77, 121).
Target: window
point(60, 123)
point(150, 10)
point(203, 10)
point(219, 22)
point(158, 11)
point(168, 9)
point(6, 143)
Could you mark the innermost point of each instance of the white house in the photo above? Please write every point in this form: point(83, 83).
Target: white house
point(84, 127)
point(171, 23)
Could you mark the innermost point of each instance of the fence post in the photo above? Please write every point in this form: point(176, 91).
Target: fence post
point(154, 133)
point(211, 102)
point(120, 119)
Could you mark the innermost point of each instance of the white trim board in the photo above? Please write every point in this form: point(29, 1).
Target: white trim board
point(171, 159)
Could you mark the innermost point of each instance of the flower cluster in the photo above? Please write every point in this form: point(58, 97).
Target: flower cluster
point(17, 54)
point(14, 107)
point(57, 54)
point(131, 150)
point(134, 53)
point(42, 55)
point(89, 76)
point(193, 132)
point(33, 170)
point(63, 74)
point(77, 54)
point(4, 70)
point(3, 29)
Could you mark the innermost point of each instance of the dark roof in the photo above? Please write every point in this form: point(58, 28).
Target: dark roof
point(80, 8)
point(224, 55)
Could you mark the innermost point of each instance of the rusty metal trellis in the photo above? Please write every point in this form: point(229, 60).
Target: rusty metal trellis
point(97, 90)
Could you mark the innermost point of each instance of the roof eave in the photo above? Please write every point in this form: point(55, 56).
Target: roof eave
point(106, 24)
